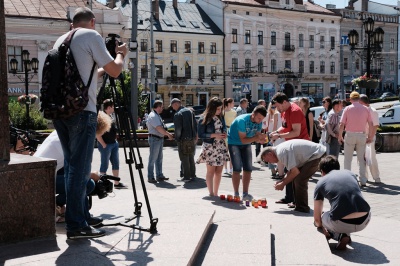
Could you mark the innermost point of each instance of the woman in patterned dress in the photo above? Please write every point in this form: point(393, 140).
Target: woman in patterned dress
point(212, 130)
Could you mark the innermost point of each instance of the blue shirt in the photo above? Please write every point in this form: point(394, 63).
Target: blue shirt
point(242, 124)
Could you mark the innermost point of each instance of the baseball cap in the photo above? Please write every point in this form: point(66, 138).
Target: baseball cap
point(354, 95)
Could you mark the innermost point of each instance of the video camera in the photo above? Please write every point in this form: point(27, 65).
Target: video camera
point(104, 186)
point(110, 43)
point(27, 138)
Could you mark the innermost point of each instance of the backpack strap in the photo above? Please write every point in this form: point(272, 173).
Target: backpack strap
point(66, 44)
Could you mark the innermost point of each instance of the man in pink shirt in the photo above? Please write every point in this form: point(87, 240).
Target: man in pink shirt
point(354, 119)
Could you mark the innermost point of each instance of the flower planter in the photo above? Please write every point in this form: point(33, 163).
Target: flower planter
point(391, 142)
point(368, 84)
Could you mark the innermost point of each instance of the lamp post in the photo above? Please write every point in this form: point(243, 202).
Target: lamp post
point(374, 42)
point(28, 66)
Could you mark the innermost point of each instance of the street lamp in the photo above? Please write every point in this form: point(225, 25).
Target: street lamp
point(374, 42)
point(28, 66)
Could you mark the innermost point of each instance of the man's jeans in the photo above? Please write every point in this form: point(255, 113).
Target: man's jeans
point(155, 157)
point(334, 147)
point(77, 135)
point(109, 153)
point(61, 197)
point(187, 162)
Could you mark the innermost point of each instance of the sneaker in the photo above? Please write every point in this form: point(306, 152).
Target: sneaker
point(163, 178)
point(184, 180)
point(87, 232)
point(94, 221)
point(152, 180)
point(247, 197)
point(343, 241)
point(378, 181)
point(231, 171)
point(226, 171)
point(120, 185)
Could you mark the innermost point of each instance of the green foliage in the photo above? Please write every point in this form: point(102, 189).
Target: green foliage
point(386, 129)
point(124, 96)
point(18, 116)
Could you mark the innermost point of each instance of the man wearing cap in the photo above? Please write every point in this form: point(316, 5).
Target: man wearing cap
point(373, 166)
point(157, 132)
point(186, 136)
point(354, 120)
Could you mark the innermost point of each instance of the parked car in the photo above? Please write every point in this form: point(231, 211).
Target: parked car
point(391, 117)
point(198, 109)
point(387, 95)
point(310, 99)
point(316, 111)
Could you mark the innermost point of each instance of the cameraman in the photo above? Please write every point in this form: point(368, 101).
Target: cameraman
point(51, 148)
point(77, 133)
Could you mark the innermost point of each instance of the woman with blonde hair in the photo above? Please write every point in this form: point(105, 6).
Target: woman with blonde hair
point(229, 116)
point(212, 130)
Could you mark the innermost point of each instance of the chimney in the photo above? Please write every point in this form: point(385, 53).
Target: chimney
point(156, 9)
point(175, 4)
point(364, 5)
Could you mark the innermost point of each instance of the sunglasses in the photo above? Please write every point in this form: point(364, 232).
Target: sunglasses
point(273, 107)
point(323, 101)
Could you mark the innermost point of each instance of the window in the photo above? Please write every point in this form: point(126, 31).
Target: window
point(247, 65)
point(181, 23)
point(311, 66)
point(247, 37)
point(322, 20)
point(234, 64)
point(247, 13)
point(322, 42)
point(213, 72)
point(143, 45)
point(332, 67)
point(287, 2)
point(311, 41)
point(174, 46)
point(174, 72)
point(391, 43)
point(301, 40)
point(345, 63)
point(357, 64)
point(287, 40)
point(288, 64)
point(391, 65)
point(158, 45)
point(159, 72)
point(195, 24)
point(188, 71)
point(301, 66)
point(260, 65)
point(322, 67)
point(273, 38)
point(201, 47)
point(260, 14)
point(15, 52)
point(206, 25)
point(189, 99)
point(143, 72)
point(188, 47)
point(260, 37)
point(234, 11)
point(273, 65)
point(202, 72)
point(332, 42)
point(234, 35)
point(213, 48)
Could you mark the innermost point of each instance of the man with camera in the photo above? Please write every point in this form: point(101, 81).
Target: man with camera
point(77, 133)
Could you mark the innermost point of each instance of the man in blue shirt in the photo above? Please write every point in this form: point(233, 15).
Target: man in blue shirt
point(244, 130)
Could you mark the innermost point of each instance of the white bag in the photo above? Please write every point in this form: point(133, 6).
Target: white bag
point(368, 156)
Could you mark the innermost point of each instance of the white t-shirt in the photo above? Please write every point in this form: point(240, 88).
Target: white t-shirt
point(51, 148)
point(87, 47)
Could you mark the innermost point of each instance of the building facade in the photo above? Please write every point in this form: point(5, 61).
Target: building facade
point(273, 46)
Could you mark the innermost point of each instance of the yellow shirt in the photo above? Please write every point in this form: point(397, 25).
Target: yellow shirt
point(229, 117)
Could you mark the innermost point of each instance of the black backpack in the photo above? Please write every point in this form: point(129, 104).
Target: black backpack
point(63, 93)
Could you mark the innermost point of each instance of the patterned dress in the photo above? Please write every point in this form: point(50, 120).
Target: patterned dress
point(217, 153)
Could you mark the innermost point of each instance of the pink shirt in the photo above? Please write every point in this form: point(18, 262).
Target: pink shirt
point(355, 117)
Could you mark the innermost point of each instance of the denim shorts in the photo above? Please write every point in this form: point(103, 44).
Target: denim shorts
point(241, 155)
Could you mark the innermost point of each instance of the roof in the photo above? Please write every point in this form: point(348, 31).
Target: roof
point(187, 18)
point(55, 9)
point(312, 7)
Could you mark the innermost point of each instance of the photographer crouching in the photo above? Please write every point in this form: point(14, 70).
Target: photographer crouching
point(51, 148)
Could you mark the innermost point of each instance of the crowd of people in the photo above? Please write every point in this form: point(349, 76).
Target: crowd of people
point(287, 137)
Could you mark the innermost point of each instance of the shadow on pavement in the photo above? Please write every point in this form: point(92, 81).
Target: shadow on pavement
point(382, 189)
point(206, 245)
point(28, 248)
point(360, 253)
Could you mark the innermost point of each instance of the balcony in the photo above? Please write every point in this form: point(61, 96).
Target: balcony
point(288, 48)
point(176, 80)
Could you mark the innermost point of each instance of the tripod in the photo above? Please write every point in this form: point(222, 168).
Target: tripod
point(126, 126)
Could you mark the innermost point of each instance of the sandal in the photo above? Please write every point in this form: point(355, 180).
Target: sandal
point(291, 205)
point(282, 201)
